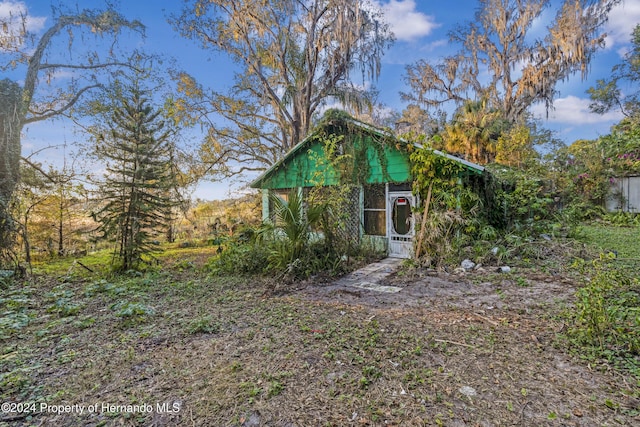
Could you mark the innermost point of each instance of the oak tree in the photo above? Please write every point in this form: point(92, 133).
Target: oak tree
point(501, 61)
point(620, 91)
point(292, 57)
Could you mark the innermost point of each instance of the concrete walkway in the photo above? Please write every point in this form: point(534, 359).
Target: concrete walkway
point(370, 276)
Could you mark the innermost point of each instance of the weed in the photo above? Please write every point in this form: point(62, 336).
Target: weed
point(274, 389)
point(605, 323)
point(369, 374)
point(204, 324)
point(132, 312)
point(15, 382)
point(251, 389)
point(84, 323)
point(63, 304)
point(11, 323)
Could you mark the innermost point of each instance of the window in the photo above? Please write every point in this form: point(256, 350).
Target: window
point(375, 211)
point(284, 195)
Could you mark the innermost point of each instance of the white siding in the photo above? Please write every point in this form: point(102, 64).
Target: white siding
point(625, 195)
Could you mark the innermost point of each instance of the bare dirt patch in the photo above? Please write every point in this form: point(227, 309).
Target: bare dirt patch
point(505, 359)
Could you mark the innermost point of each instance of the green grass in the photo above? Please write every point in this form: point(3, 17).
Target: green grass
point(623, 240)
point(100, 261)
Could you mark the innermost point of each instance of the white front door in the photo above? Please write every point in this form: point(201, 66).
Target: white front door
point(400, 224)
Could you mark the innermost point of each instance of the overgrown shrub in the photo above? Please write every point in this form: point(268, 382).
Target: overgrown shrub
point(293, 248)
point(581, 211)
point(605, 323)
point(622, 219)
point(241, 258)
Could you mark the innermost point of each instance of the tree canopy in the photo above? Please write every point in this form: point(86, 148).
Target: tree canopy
point(501, 61)
point(621, 92)
point(292, 58)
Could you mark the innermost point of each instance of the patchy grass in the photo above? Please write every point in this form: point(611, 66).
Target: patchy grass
point(99, 262)
point(185, 348)
point(625, 241)
point(70, 266)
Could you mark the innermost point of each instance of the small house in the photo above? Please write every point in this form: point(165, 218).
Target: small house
point(372, 166)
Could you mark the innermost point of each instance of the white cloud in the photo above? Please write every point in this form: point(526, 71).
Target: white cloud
point(12, 12)
point(14, 20)
point(622, 20)
point(430, 47)
point(574, 111)
point(406, 22)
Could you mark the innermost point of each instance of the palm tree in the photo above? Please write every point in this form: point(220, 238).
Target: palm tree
point(473, 132)
point(297, 220)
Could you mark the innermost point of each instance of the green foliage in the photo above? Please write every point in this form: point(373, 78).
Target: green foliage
point(473, 132)
point(605, 323)
point(622, 219)
point(581, 211)
point(608, 95)
point(139, 180)
point(297, 249)
point(296, 220)
point(428, 167)
point(293, 247)
point(203, 324)
point(586, 170)
point(453, 207)
point(241, 258)
point(348, 155)
point(132, 312)
point(526, 202)
point(63, 303)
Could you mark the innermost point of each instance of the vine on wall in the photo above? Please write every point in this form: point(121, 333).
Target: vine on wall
point(354, 167)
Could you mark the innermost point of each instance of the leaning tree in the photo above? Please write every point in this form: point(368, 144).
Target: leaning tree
point(38, 94)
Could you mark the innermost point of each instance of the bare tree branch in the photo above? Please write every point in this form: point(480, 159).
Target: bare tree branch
point(47, 114)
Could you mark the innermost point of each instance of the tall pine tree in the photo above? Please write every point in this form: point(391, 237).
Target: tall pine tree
point(139, 178)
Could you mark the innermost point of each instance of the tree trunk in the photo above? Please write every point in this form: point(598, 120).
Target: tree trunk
point(10, 127)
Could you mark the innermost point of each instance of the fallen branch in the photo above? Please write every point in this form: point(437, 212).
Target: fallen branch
point(85, 267)
point(486, 319)
point(455, 342)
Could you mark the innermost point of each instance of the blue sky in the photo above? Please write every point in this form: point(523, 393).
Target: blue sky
point(421, 29)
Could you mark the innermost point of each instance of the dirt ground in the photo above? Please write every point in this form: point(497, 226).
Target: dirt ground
point(479, 349)
point(481, 291)
point(519, 315)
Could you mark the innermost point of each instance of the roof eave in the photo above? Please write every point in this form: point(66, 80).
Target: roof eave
point(256, 183)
